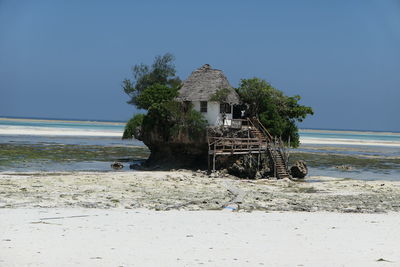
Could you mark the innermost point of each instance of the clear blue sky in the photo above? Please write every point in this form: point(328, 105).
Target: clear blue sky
point(66, 59)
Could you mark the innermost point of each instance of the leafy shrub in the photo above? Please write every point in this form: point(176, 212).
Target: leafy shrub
point(132, 126)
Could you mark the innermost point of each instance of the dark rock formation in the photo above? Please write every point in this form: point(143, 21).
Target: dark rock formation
point(299, 169)
point(178, 151)
point(247, 166)
point(117, 165)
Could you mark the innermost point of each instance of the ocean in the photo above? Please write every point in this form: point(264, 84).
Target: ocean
point(73, 145)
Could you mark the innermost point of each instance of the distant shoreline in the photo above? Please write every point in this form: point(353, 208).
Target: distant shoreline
point(61, 120)
point(352, 142)
point(107, 122)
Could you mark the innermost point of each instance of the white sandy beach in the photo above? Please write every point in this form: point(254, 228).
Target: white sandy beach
point(178, 218)
point(118, 237)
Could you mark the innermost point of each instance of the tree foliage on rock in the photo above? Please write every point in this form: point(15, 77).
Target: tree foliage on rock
point(157, 81)
point(278, 112)
point(221, 95)
point(154, 89)
point(133, 126)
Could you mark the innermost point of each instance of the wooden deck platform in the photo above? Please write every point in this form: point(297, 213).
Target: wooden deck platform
point(259, 141)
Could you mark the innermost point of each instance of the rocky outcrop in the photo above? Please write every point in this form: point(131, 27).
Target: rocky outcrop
point(177, 151)
point(299, 169)
point(247, 166)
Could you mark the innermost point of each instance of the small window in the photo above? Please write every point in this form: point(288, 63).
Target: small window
point(225, 108)
point(228, 109)
point(186, 105)
point(203, 106)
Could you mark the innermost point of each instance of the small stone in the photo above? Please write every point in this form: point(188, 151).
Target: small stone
point(117, 165)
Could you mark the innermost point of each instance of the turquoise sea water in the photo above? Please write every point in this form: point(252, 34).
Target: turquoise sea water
point(29, 134)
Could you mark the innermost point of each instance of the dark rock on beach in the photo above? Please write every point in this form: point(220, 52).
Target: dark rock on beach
point(247, 166)
point(117, 165)
point(299, 169)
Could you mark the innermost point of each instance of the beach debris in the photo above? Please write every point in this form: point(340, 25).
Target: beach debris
point(382, 259)
point(237, 197)
point(299, 169)
point(117, 165)
point(64, 217)
point(231, 207)
point(41, 222)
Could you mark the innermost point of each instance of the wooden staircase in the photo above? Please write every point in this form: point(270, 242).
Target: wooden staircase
point(281, 168)
point(258, 134)
point(259, 141)
point(274, 149)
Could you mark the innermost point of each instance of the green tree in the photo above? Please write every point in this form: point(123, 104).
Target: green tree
point(174, 118)
point(154, 89)
point(134, 123)
point(161, 72)
point(277, 112)
point(220, 96)
point(155, 94)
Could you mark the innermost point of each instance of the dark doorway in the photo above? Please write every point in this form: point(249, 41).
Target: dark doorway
point(237, 111)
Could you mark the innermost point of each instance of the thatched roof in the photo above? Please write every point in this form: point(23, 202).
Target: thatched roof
point(203, 83)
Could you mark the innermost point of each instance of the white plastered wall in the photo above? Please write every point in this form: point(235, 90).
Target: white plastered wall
point(212, 115)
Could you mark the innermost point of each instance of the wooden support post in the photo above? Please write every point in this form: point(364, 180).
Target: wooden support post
point(208, 153)
point(214, 160)
point(208, 161)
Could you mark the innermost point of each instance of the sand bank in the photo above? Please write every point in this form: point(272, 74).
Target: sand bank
point(335, 141)
point(363, 132)
point(119, 237)
point(63, 121)
point(47, 131)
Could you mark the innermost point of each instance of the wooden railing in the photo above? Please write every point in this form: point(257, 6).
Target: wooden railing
point(232, 145)
point(274, 143)
point(255, 122)
point(243, 145)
